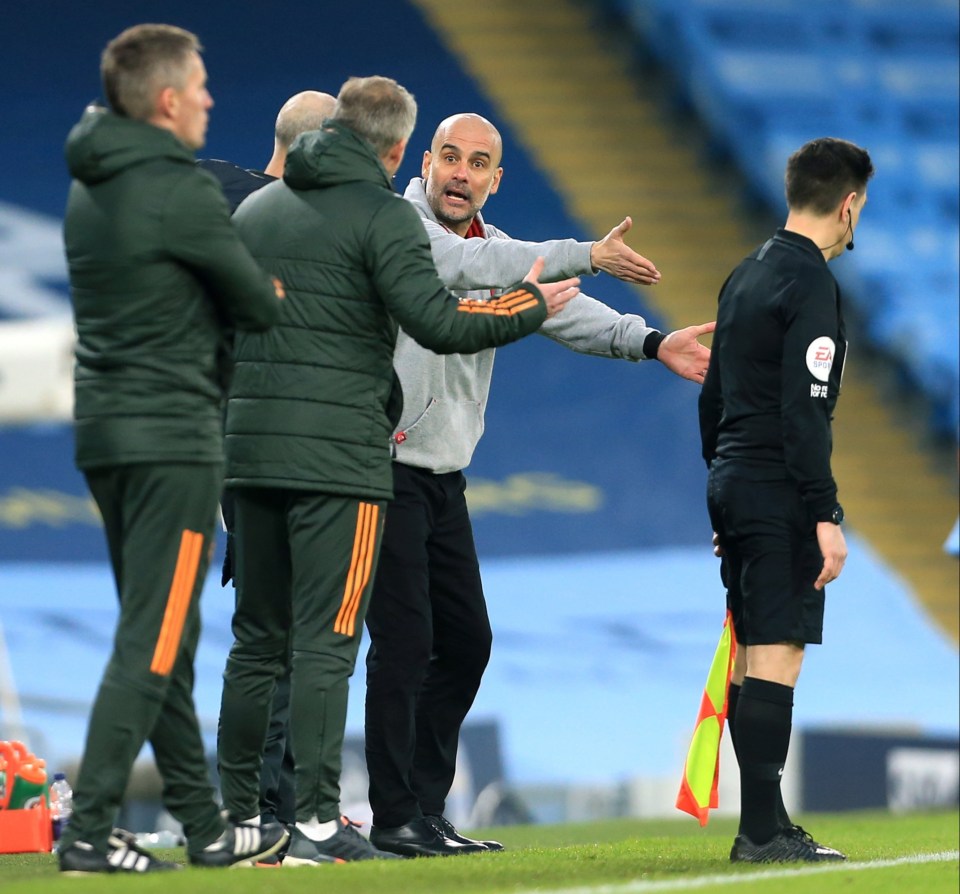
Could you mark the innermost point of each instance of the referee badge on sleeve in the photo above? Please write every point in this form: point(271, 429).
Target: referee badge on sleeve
point(820, 357)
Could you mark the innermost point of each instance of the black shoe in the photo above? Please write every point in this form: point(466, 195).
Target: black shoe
point(785, 847)
point(826, 853)
point(241, 844)
point(449, 830)
point(419, 838)
point(123, 855)
point(275, 860)
point(346, 845)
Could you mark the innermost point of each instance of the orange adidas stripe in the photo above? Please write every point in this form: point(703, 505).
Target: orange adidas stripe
point(366, 565)
point(518, 296)
point(178, 601)
point(506, 305)
point(508, 297)
point(361, 565)
point(498, 311)
point(354, 561)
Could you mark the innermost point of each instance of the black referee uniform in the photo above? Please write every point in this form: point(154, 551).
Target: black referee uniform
point(765, 411)
point(766, 407)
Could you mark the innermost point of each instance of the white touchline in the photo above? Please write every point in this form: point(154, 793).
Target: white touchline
point(639, 886)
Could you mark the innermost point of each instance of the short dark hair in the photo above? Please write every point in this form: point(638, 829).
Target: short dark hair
point(140, 62)
point(822, 172)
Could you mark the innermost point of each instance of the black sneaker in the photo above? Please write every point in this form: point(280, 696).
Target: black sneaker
point(275, 860)
point(445, 827)
point(241, 844)
point(785, 847)
point(826, 853)
point(346, 845)
point(123, 855)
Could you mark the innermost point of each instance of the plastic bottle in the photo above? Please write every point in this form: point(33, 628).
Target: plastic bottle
point(61, 804)
point(3, 781)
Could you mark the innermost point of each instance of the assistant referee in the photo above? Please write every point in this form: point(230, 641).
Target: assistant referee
point(765, 412)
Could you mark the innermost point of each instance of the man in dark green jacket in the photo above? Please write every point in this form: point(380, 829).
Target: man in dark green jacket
point(312, 406)
point(156, 272)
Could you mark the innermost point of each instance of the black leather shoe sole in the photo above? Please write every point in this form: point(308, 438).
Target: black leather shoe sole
point(449, 831)
point(413, 849)
point(418, 838)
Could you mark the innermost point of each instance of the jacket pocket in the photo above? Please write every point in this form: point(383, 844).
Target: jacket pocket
point(447, 431)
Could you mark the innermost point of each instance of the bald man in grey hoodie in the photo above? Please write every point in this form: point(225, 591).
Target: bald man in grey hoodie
point(430, 634)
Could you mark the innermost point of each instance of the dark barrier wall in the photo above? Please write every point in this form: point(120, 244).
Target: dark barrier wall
point(860, 769)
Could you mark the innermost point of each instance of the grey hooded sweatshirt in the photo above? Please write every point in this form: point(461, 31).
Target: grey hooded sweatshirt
point(445, 396)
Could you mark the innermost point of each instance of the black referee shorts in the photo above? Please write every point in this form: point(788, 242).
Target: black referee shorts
point(771, 555)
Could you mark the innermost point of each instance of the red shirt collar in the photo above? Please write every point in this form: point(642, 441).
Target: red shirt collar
point(476, 229)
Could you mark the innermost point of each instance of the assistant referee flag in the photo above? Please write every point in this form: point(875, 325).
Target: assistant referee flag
point(701, 772)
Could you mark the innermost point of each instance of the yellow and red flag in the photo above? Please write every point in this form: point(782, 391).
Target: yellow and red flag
point(701, 772)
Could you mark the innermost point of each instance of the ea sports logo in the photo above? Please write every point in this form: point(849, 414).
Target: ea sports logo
point(820, 357)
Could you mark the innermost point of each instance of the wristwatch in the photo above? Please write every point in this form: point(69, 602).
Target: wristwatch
point(836, 516)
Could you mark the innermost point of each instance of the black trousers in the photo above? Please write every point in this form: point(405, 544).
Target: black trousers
point(430, 643)
point(278, 792)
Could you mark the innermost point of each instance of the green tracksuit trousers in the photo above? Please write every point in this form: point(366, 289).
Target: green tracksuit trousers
point(159, 521)
point(304, 569)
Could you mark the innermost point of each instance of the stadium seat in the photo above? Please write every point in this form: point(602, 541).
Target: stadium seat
point(765, 76)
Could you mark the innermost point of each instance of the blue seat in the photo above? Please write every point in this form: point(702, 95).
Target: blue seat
point(766, 76)
point(927, 28)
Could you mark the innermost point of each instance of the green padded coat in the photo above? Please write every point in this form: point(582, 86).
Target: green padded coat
point(157, 275)
point(314, 401)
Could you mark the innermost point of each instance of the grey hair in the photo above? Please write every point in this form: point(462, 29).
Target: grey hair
point(378, 109)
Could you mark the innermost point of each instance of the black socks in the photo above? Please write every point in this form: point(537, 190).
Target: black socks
point(760, 716)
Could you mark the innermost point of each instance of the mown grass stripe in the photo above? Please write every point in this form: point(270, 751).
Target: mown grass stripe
point(640, 886)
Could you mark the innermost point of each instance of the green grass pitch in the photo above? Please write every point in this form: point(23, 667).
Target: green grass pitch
point(913, 854)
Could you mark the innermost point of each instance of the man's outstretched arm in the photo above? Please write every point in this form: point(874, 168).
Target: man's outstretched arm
point(682, 353)
point(498, 261)
point(612, 255)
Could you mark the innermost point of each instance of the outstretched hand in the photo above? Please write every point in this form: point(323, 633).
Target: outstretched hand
point(681, 353)
point(612, 255)
point(556, 294)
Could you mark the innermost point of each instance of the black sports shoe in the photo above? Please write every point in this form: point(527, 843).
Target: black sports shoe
point(827, 853)
point(346, 845)
point(275, 860)
point(419, 838)
point(785, 847)
point(445, 827)
point(241, 844)
point(123, 855)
